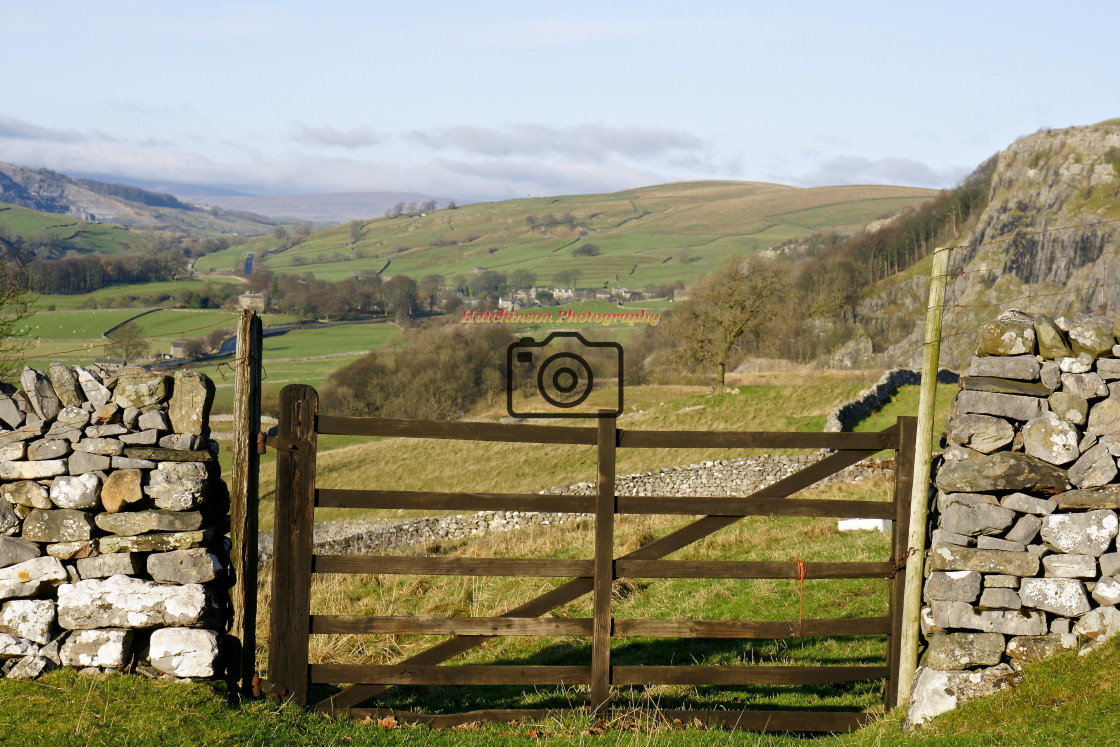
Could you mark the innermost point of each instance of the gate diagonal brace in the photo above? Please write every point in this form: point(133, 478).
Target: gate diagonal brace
point(578, 587)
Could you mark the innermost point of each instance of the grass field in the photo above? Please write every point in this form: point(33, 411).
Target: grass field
point(127, 294)
point(645, 236)
point(77, 234)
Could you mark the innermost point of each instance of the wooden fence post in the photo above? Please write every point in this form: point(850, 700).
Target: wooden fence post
point(292, 541)
point(919, 497)
point(903, 480)
point(604, 567)
point(242, 666)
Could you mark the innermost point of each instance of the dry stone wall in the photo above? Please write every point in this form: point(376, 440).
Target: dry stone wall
point(111, 523)
point(1023, 561)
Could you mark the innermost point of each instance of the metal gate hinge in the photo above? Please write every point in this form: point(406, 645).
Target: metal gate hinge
point(280, 444)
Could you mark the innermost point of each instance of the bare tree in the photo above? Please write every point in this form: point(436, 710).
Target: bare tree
point(127, 342)
point(728, 310)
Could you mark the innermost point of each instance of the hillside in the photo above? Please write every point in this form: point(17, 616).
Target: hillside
point(1048, 241)
point(648, 236)
point(64, 233)
point(119, 204)
point(328, 207)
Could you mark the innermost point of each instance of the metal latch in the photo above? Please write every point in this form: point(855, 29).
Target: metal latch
point(279, 443)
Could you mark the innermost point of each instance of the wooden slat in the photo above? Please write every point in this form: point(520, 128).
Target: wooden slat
point(291, 557)
point(460, 431)
point(550, 600)
point(719, 506)
point(434, 501)
point(842, 626)
point(748, 569)
point(244, 501)
point(829, 722)
point(491, 626)
point(903, 481)
point(411, 674)
point(604, 567)
point(758, 440)
point(411, 566)
point(741, 675)
point(824, 722)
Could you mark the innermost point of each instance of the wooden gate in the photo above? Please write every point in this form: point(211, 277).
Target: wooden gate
point(294, 563)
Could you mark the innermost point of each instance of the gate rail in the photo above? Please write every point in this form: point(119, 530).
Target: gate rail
point(294, 563)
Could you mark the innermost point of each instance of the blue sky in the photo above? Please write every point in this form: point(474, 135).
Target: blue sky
point(491, 100)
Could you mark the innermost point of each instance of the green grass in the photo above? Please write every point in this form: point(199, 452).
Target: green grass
point(905, 402)
point(129, 294)
point(74, 233)
point(74, 325)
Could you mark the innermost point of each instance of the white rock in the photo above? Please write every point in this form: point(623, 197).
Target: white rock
point(124, 602)
point(12, 646)
point(26, 578)
point(97, 648)
point(32, 619)
point(184, 652)
point(81, 491)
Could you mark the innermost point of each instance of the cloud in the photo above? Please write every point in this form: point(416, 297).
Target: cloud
point(351, 139)
point(18, 129)
point(859, 170)
point(588, 141)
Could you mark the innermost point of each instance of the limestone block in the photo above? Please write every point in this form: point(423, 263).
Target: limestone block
point(961, 615)
point(1107, 591)
point(999, 581)
point(110, 649)
point(184, 652)
point(1096, 467)
point(157, 454)
point(964, 650)
point(1011, 406)
point(44, 469)
point(1104, 417)
point(31, 667)
point(180, 442)
point(1110, 564)
point(1088, 533)
point(1021, 367)
point(14, 452)
point(14, 647)
point(11, 416)
point(79, 491)
point(122, 488)
point(1064, 565)
point(14, 550)
point(1027, 504)
point(1088, 386)
point(105, 414)
point(25, 432)
point(39, 391)
point(1078, 364)
point(949, 558)
point(1105, 496)
point(983, 433)
point(1062, 596)
point(194, 566)
point(139, 522)
point(105, 431)
point(92, 388)
point(1052, 340)
point(156, 542)
point(1005, 338)
point(102, 446)
point(113, 564)
point(143, 438)
point(986, 542)
point(1002, 471)
point(65, 385)
point(1109, 368)
point(999, 599)
point(81, 462)
point(27, 493)
point(1069, 407)
point(48, 448)
point(32, 619)
point(971, 517)
point(1025, 529)
point(139, 388)
point(127, 463)
point(1098, 625)
point(936, 692)
point(155, 420)
point(1051, 439)
point(123, 602)
point(1039, 647)
point(1092, 335)
point(1051, 375)
point(178, 486)
point(57, 525)
point(191, 402)
point(27, 578)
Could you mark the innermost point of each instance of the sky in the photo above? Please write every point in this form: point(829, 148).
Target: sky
point(496, 100)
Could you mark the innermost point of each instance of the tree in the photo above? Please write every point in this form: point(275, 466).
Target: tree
point(567, 278)
point(127, 343)
point(586, 250)
point(15, 306)
point(522, 279)
point(729, 309)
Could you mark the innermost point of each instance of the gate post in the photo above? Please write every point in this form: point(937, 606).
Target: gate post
point(604, 566)
point(292, 540)
point(903, 480)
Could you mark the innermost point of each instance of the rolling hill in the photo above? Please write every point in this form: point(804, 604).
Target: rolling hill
point(643, 237)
